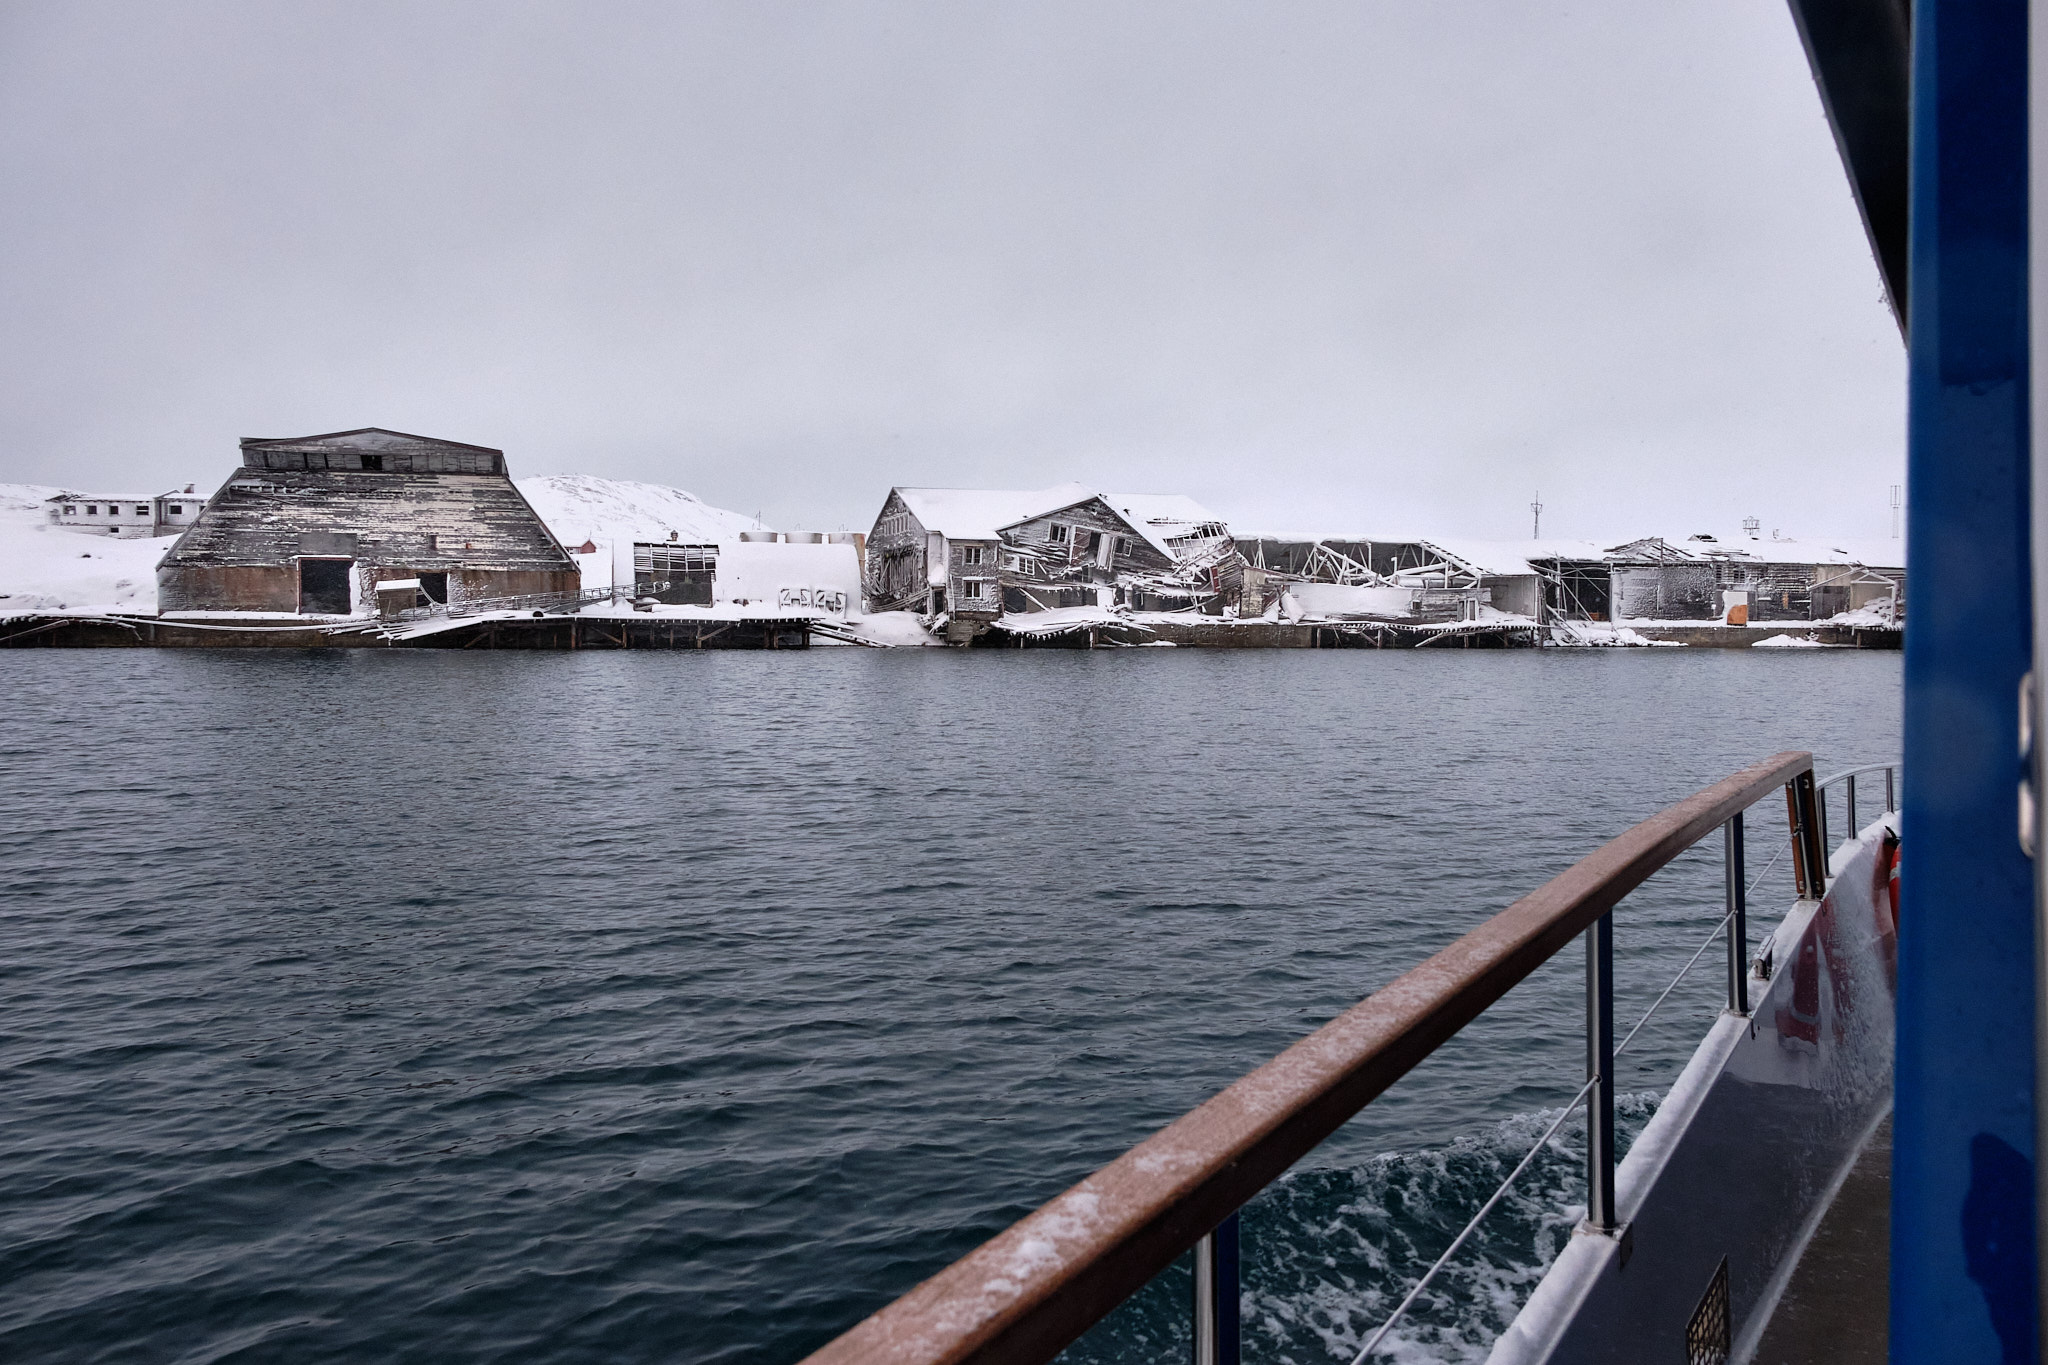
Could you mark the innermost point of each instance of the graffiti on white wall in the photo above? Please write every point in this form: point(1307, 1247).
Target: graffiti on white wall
point(813, 599)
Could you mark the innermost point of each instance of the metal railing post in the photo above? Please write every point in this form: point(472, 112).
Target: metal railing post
point(1850, 800)
point(1734, 876)
point(1216, 1296)
point(1820, 801)
point(1600, 1070)
point(1891, 800)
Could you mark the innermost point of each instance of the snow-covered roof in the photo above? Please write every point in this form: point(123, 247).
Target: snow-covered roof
point(583, 507)
point(980, 513)
point(1507, 558)
point(1160, 517)
point(1771, 547)
point(983, 513)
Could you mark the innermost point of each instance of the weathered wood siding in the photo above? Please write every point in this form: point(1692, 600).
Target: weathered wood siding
point(397, 506)
point(898, 574)
point(1098, 517)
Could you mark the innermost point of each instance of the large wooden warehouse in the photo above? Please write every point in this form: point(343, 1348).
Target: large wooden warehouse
point(311, 524)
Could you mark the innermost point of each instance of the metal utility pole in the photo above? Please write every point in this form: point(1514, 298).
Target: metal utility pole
point(1536, 510)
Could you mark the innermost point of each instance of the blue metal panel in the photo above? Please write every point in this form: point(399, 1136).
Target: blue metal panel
point(1962, 1285)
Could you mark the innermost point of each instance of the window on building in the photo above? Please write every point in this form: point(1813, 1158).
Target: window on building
point(1123, 545)
point(1056, 533)
point(92, 509)
point(973, 589)
point(142, 511)
point(176, 509)
point(373, 462)
point(70, 511)
point(970, 554)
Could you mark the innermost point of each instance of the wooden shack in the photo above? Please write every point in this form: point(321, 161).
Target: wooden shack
point(312, 524)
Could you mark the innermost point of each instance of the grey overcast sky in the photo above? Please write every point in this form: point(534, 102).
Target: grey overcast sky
point(1385, 267)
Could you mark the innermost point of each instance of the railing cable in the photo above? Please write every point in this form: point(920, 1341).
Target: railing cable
point(1692, 961)
point(1548, 1133)
point(1470, 1227)
point(1767, 867)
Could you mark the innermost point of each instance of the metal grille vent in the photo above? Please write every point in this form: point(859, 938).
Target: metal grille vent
point(1706, 1336)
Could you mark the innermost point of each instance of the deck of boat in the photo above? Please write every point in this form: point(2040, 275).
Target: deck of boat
point(1834, 1309)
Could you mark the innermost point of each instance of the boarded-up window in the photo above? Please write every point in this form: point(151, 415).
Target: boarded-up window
point(435, 586)
point(323, 586)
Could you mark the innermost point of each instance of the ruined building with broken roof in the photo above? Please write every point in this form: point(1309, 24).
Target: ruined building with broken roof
point(311, 525)
point(976, 555)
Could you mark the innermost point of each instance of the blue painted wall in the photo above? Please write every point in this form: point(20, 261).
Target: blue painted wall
point(1962, 1196)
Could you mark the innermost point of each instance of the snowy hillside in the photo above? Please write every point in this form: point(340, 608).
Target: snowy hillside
point(45, 569)
point(580, 507)
point(609, 515)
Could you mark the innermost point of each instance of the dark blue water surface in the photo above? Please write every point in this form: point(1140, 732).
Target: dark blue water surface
point(452, 1007)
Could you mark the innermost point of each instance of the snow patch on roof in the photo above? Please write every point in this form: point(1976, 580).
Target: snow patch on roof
point(980, 513)
point(1161, 517)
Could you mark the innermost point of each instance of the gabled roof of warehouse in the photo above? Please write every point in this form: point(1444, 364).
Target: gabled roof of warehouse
point(361, 438)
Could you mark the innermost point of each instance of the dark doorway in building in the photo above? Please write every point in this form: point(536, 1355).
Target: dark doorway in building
point(323, 586)
point(435, 586)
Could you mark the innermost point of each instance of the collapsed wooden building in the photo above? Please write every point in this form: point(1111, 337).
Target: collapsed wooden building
point(1700, 578)
point(311, 525)
point(974, 556)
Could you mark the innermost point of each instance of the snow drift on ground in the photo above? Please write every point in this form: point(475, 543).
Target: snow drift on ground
point(1878, 614)
point(45, 568)
point(898, 629)
point(1335, 600)
point(1790, 642)
point(1060, 620)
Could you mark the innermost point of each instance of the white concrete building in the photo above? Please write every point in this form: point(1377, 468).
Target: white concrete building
point(126, 517)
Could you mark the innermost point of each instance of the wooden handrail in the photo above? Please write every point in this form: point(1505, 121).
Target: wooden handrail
point(1026, 1293)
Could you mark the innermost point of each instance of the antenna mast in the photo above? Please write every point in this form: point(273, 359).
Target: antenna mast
point(1536, 511)
point(1895, 511)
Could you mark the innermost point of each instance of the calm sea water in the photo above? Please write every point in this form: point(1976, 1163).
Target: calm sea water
point(613, 1007)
